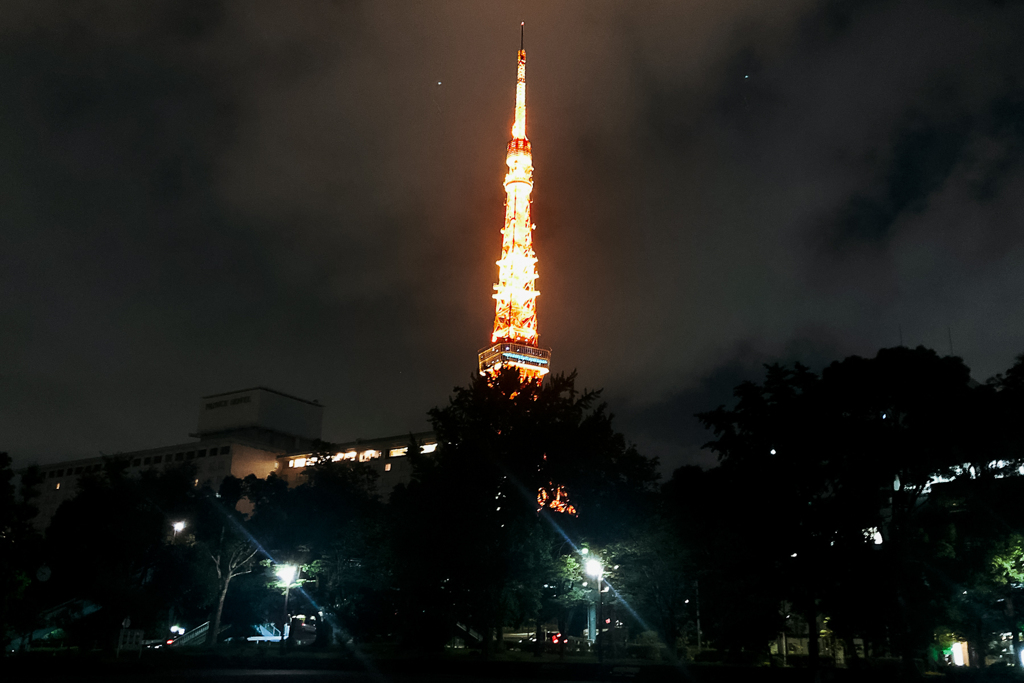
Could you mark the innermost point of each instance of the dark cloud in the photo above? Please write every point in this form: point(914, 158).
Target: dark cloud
point(201, 196)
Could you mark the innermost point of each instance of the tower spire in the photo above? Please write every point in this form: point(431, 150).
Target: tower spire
point(514, 339)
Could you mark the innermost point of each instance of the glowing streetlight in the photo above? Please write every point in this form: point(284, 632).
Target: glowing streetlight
point(593, 568)
point(177, 526)
point(285, 572)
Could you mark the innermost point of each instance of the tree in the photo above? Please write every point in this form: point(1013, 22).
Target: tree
point(770, 447)
point(655, 574)
point(109, 542)
point(349, 547)
point(855, 450)
point(1007, 567)
point(499, 443)
point(229, 546)
point(20, 552)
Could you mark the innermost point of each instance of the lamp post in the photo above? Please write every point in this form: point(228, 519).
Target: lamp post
point(285, 572)
point(594, 568)
point(177, 526)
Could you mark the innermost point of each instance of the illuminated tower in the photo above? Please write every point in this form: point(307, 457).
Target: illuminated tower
point(514, 340)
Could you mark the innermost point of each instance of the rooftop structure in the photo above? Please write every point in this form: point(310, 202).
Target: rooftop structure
point(263, 415)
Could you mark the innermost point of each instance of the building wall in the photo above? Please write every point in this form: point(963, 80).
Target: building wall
point(248, 460)
point(214, 460)
point(60, 483)
point(261, 408)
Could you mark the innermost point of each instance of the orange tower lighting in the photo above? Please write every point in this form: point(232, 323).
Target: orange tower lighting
point(514, 340)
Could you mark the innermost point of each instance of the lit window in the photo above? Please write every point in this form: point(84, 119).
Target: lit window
point(300, 462)
point(387, 467)
point(349, 455)
point(428, 448)
point(396, 452)
point(291, 463)
point(58, 487)
point(368, 455)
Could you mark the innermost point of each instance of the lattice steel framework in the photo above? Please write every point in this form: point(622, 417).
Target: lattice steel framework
point(514, 340)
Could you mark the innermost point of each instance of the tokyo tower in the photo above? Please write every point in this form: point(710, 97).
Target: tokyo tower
point(514, 340)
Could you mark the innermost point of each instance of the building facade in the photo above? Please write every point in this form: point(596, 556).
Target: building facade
point(255, 431)
point(388, 456)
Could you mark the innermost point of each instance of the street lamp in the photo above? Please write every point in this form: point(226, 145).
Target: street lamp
point(594, 568)
point(177, 526)
point(286, 572)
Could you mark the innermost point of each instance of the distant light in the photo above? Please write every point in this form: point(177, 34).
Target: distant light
point(884, 416)
point(686, 602)
point(585, 551)
point(178, 526)
point(773, 451)
point(965, 592)
point(793, 555)
point(286, 572)
point(747, 76)
point(439, 82)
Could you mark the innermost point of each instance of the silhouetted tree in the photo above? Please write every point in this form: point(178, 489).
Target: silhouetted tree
point(20, 551)
point(474, 547)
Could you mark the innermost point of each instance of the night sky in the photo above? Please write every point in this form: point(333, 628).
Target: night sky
point(197, 197)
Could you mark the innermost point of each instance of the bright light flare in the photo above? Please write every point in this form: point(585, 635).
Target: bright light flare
point(286, 572)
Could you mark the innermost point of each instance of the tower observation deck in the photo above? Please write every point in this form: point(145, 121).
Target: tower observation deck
point(514, 339)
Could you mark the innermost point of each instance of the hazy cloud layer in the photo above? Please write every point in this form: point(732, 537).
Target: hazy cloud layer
point(198, 196)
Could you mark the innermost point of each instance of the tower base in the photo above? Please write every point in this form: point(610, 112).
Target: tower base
point(533, 362)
